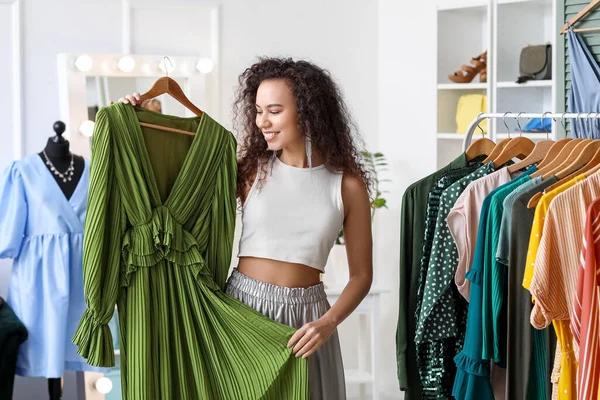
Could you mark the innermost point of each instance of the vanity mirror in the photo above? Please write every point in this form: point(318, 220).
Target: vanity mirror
point(88, 82)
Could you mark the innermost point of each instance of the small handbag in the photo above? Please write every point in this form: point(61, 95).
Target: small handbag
point(535, 63)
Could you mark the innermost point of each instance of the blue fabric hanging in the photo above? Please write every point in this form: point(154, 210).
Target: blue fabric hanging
point(535, 125)
point(584, 96)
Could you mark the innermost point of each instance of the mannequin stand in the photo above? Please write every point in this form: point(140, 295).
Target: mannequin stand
point(58, 158)
point(55, 388)
point(57, 152)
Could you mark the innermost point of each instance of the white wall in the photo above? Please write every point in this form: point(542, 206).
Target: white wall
point(407, 95)
point(370, 47)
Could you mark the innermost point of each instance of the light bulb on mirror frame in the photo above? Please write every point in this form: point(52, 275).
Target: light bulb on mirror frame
point(86, 128)
point(84, 63)
point(204, 65)
point(103, 385)
point(126, 64)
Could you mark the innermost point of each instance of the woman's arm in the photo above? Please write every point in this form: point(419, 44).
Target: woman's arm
point(359, 247)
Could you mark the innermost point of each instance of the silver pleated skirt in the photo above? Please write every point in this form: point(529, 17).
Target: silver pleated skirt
point(296, 307)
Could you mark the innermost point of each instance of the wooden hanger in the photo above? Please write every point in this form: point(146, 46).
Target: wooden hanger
point(559, 159)
point(497, 150)
point(587, 169)
point(480, 147)
point(575, 161)
point(519, 147)
point(578, 17)
point(539, 153)
point(591, 171)
point(166, 85)
point(553, 152)
point(579, 146)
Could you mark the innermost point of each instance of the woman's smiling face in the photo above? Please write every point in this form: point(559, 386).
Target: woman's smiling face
point(277, 114)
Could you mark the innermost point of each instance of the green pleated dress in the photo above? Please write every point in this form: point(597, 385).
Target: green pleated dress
point(158, 241)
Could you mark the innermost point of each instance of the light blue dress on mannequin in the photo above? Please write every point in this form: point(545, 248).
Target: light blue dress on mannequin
point(43, 232)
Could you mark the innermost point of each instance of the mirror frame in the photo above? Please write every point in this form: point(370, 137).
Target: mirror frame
point(73, 88)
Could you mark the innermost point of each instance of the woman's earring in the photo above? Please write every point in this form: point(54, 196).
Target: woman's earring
point(308, 151)
point(273, 157)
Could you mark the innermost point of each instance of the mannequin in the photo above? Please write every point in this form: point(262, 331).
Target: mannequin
point(65, 167)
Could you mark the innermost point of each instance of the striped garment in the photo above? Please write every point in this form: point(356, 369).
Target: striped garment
point(585, 321)
point(554, 280)
point(158, 240)
point(534, 242)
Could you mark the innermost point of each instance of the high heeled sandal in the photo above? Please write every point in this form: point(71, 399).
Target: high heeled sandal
point(483, 75)
point(468, 72)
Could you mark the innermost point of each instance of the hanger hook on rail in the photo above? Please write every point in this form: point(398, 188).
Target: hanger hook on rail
point(518, 124)
point(479, 126)
point(505, 124)
point(589, 124)
point(544, 126)
point(563, 123)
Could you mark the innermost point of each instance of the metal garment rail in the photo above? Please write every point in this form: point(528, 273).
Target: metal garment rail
point(475, 123)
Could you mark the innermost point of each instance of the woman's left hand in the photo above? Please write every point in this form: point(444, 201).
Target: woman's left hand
point(311, 336)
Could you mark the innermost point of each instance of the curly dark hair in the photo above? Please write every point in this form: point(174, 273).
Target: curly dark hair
point(322, 115)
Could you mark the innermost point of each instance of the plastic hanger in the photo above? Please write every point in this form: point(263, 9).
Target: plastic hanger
point(538, 154)
point(519, 147)
point(483, 146)
point(171, 87)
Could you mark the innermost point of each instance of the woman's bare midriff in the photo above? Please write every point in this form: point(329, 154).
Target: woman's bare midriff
point(279, 273)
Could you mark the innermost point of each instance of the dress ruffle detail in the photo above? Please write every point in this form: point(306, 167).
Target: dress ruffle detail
point(475, 276)
point(94, 341)
point(162, 238)
point(472, 380)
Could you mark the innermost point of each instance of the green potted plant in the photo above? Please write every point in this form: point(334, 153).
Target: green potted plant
point(375, 164)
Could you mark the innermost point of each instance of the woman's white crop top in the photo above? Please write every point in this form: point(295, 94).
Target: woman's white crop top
point(294, 215)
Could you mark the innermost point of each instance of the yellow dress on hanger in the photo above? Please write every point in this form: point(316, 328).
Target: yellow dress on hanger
point(565, 366)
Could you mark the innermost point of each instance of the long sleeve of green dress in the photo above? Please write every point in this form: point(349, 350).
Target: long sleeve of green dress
point(158, 243)
point(101, 252)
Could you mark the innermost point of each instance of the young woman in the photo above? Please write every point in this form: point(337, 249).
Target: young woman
point(300, 181)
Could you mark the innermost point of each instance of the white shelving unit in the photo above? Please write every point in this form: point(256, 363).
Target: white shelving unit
point(469, 27)
point(368, 313)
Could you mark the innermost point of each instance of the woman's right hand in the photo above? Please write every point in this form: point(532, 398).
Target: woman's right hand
point(129, 99)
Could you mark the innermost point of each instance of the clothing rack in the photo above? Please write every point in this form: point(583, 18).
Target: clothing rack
point(475, 123)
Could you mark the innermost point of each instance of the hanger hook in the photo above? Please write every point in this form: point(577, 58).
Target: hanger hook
point(479, 126)
point(596, 123)
point(505, 124)
point(544, 126)
point(518, 124)
point(589, 124)
point(165, 58)
point(563, 123)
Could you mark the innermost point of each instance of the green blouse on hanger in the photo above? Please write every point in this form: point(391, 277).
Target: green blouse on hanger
point(158, 243)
